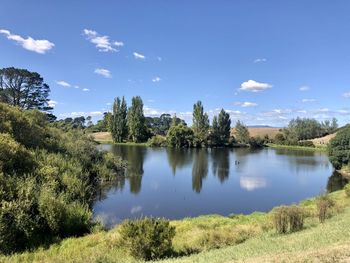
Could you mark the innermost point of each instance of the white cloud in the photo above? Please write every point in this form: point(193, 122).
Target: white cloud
point(346, 95)
point(86, 89)
point(259, 60)
point(254, 86)
point(76, 86)
point(40, 46)
point(156, 79)
point(139, 56)
point(52, 103)
point(304, 88)
point(252, 183)
point(103, 72)
point(119, 43)
point(308, 100)
point(63, 83)
point(102, 43)
point(81, 113)
point(159, 59)
point(246, 104)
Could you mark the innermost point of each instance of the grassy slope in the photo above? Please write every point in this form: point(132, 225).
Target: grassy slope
point(261, 132)
point(330, 241)
point(294, 147)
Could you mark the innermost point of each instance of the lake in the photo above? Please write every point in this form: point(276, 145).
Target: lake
point(178, 183)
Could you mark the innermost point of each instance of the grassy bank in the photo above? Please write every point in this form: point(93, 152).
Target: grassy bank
point(293, 147)
point(239, 237)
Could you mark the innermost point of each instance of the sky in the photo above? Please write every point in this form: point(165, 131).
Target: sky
point(265, 62)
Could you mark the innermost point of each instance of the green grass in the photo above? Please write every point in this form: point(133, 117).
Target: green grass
point(294, 147)
point(238, 237)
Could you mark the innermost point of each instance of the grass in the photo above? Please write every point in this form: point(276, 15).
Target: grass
point(237, 238)
point(294, 147)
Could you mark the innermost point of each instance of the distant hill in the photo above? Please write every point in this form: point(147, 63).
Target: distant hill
point(260, 131)
point(261, 126)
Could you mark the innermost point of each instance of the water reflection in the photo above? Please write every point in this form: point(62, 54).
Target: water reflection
point(199, 168)
point(221, 163)
point(176, 183)
point(134, 155)
point(336, 182)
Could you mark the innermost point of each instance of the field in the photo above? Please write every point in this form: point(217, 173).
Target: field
point(261, 132)
point(102, 137)
point(238, 239)
point(323, 141)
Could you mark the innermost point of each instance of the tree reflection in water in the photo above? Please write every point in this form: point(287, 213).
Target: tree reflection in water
point(199, 168)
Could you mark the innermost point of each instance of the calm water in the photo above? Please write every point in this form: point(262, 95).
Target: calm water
point(177, 183)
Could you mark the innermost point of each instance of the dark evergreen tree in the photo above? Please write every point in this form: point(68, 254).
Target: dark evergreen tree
point(24, 89)
point(136, 120)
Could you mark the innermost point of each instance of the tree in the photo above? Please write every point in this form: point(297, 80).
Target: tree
point(221, 128)
point(242, 132)
point(24, 89)
point(339, 148)
point(180, 136)
point(136, 120)
point(200, 121)
point(119, 120)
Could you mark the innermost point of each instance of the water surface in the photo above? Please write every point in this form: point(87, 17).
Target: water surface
point(178, 183)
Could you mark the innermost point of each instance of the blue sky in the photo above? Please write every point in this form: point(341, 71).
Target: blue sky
point(263, 61)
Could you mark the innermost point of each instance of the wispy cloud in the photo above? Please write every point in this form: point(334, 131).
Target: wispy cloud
point(346, 95)
point(304, 88)
point(308, 100)
point(139, 56)
point(102, 43)
point(63, 83)
point(103, 72)
point(85, 89)
point(254, 86)
point(246, 104)
point(52, 103)
point(156, 79)
point(259, 60)
point(40, 46)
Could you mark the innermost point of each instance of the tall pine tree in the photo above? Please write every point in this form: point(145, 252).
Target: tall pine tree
point(136, 120)
point(118, 125)
point(200, 121)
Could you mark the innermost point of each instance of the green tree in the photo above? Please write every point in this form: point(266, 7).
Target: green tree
point(180, 136)
point(24, 89)
point(339, 148)
point(136, 120)
point(200, 122)
point(221, 128)
point(242, 133)
point(119, 120)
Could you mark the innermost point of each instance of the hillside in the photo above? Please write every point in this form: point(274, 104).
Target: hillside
point(327, 242)
point(261, 131)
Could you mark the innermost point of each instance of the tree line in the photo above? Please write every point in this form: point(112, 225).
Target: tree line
point(129, 124)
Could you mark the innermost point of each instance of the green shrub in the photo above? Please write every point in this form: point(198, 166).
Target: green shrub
point(306, 144)
point(147, 238)
point(324, 203)
point(339, 148)
point(180, 136)
point(288, 218)
point(347, 190)
point(157, 141)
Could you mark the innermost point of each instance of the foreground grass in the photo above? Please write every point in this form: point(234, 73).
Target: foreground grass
point(238, 238)
point(293, 147)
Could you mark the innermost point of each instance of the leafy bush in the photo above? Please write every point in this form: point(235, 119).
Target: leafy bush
point(347, 190)
point(147, 238)
point(180, 136)
point(288, 218)
point(339, 148)
point(157, 141)
point(306, 144)
point(324, 203)
point(48, 180)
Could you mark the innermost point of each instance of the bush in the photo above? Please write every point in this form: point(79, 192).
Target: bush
point(339, 148)
point(147, 238)
point(157, 141)
point(180, 136)
point(347, 190)
point(306, 144)
point(288, 218)
point(324, 203)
